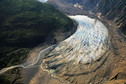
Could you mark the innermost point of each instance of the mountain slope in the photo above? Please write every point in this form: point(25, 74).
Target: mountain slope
point(111, 9)
point(25, 24)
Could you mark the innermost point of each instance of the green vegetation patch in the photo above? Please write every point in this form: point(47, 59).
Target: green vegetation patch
point(25, 24)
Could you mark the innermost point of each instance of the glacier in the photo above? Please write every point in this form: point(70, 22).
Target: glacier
point(87, 44)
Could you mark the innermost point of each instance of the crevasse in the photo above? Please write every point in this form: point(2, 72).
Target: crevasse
point(87, 44)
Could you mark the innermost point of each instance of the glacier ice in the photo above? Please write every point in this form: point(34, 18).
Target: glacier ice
point(87, 44)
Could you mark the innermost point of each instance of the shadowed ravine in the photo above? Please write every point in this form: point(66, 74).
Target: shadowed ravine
point(88, 44)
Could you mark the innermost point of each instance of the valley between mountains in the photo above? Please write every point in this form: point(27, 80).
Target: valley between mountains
point(91, 52)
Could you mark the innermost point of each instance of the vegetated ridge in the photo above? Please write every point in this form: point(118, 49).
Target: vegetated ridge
point(25, 24)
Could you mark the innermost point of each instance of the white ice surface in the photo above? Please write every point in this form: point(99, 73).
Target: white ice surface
point(43, 0)
point(87, 44)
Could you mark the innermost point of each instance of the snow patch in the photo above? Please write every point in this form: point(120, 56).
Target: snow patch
point(43, 1)
point(78, 6)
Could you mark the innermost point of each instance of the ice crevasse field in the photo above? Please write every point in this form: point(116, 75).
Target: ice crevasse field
point(87, 44)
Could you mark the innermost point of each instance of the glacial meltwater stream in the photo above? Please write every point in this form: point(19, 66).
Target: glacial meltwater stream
point(86, 45)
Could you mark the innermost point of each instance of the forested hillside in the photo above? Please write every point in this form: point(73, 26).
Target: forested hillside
point(25, 24)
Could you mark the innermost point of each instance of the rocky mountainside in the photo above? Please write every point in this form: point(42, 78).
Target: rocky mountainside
point(111, 9)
